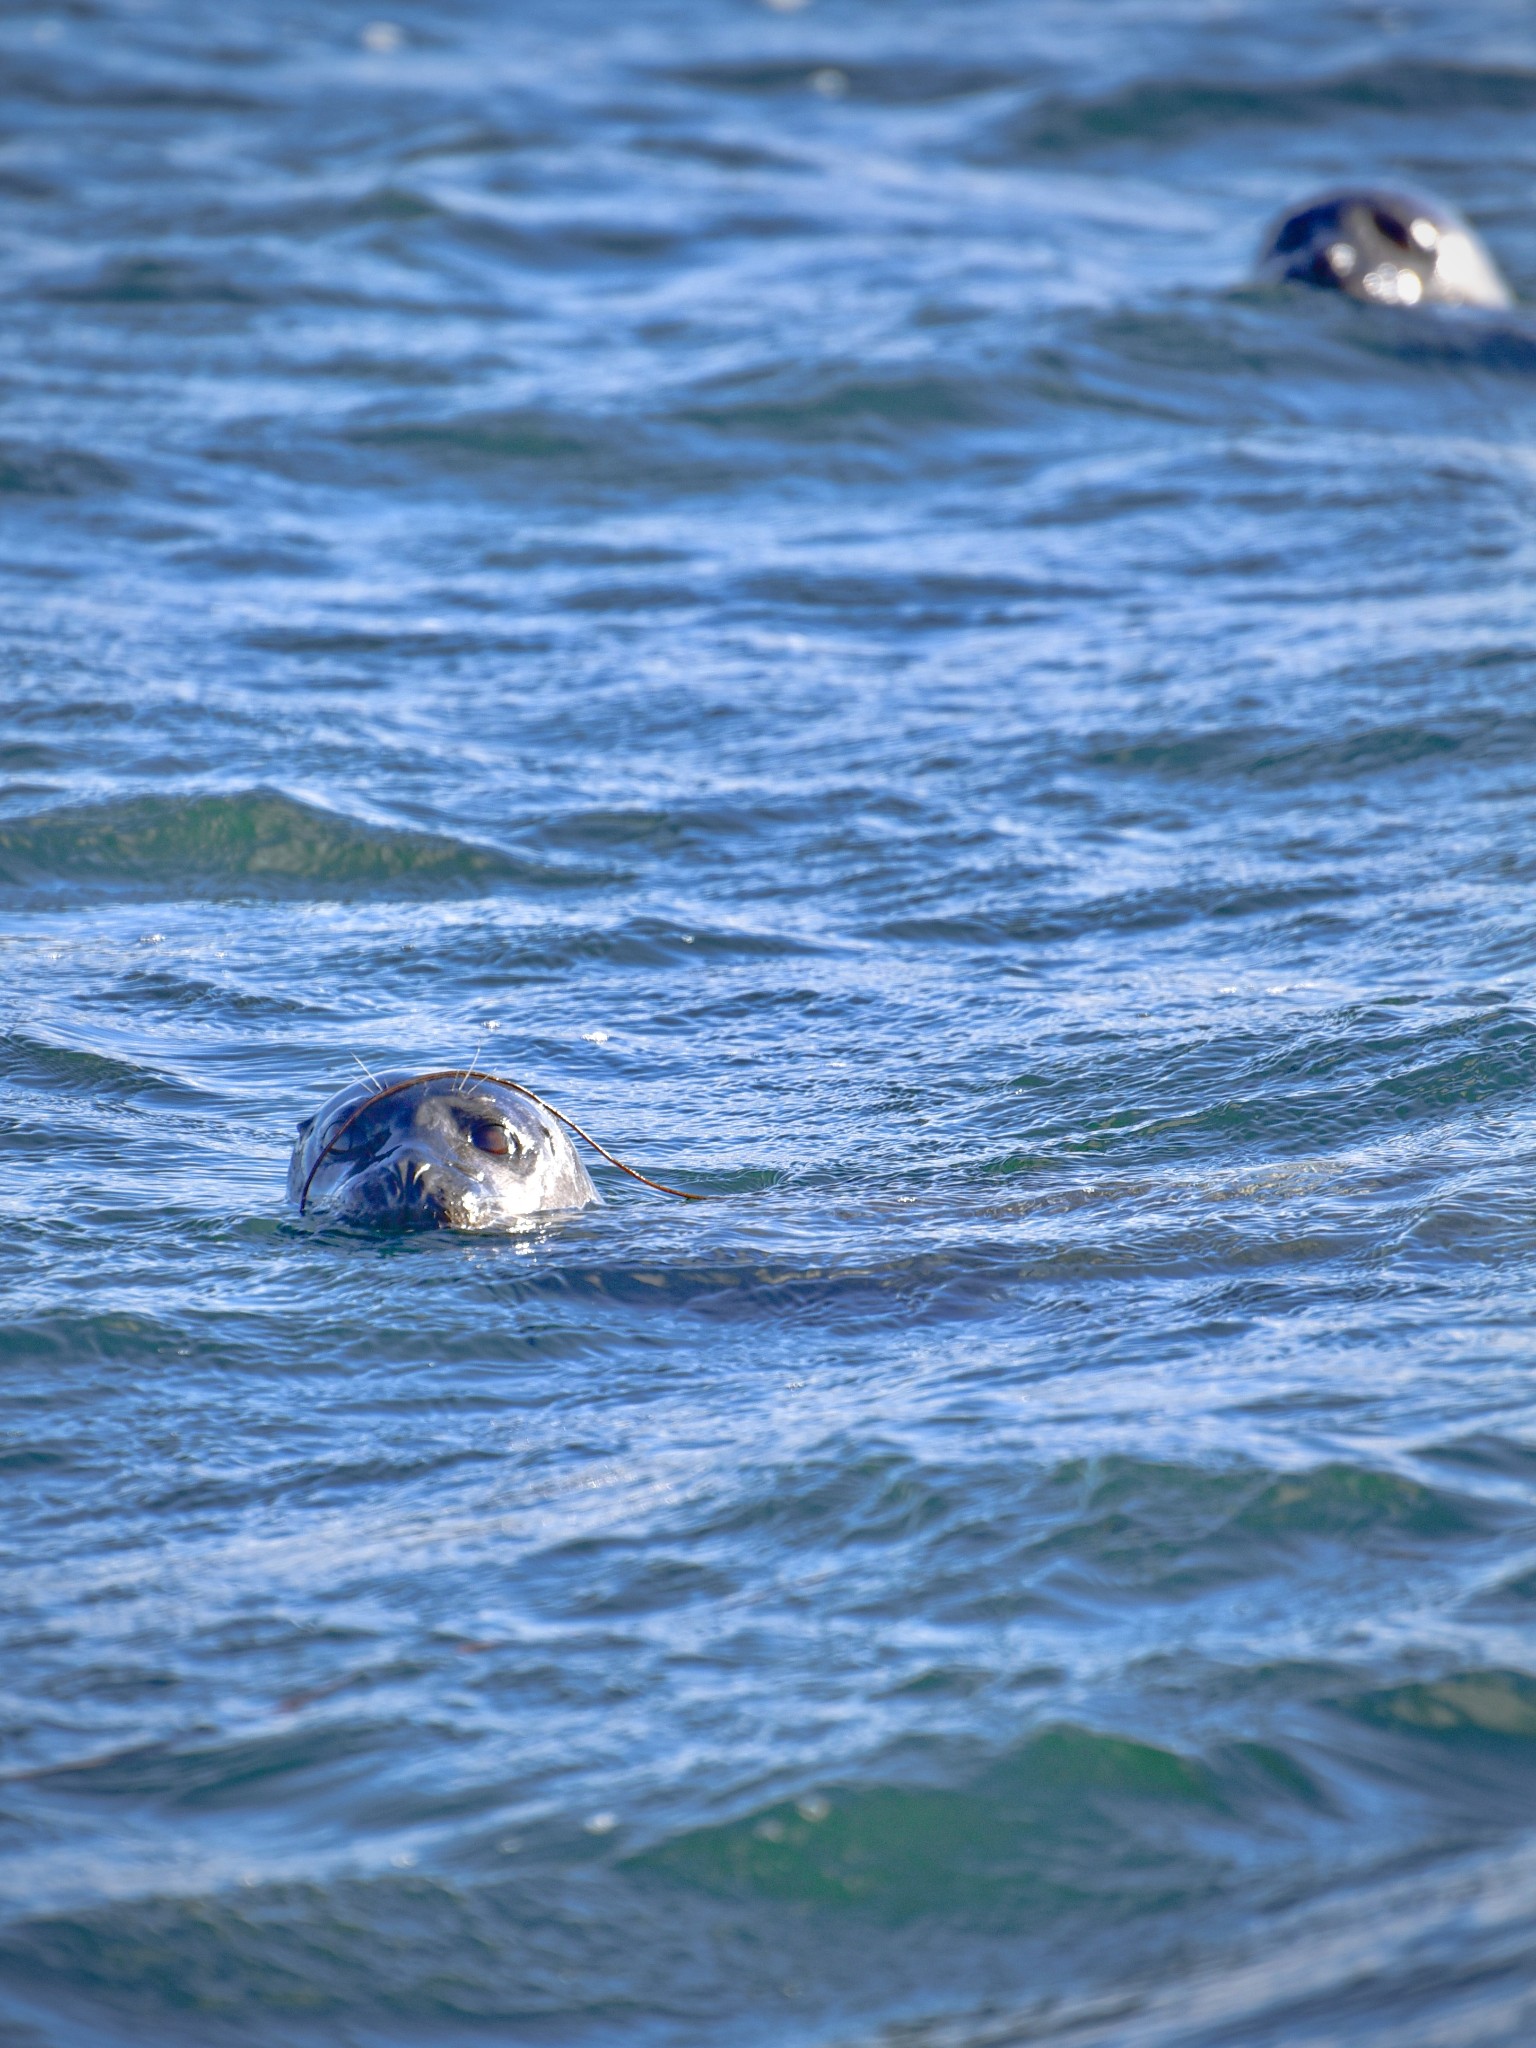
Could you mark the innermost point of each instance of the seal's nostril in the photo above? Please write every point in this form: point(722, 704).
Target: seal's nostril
point(412, 1169)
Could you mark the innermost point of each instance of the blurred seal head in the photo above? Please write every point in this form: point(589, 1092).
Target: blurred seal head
point(1383, 248)
point(435, 1152)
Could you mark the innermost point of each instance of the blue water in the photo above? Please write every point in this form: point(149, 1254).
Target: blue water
point(765, 569)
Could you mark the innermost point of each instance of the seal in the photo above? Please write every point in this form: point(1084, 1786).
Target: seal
point(1384, 248)
point(436, 1151)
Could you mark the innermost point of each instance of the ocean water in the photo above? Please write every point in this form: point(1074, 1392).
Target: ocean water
point(765, 570)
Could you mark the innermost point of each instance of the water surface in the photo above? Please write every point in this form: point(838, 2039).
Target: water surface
point(765, 570)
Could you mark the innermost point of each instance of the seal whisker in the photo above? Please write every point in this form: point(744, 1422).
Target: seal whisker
point(372, 1076)
point(474, 1059)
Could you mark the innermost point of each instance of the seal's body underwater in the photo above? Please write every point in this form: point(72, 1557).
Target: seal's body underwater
point(435, 1152)
point(1383, 248)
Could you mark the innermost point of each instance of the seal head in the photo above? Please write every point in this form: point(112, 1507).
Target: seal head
point(435, 1152)
point(1383, 248)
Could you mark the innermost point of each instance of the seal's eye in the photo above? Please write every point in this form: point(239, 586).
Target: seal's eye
point(495, 1138)
point(1392, 229)
point(357, 1142)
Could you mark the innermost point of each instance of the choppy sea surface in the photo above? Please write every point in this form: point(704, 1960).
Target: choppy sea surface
point(766, 570)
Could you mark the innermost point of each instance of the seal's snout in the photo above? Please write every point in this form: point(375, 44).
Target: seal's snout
point(412, 1168)
point(407, 1186)
point(414, 1187)
point(419, 1182)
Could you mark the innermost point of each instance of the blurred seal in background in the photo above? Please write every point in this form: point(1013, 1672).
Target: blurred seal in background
point(1384, 248)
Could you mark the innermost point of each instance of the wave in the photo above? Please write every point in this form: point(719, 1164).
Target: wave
point(258, 843)
point(154, 280)
point(694, 444)
point(1360, 1075)
point(1467, 1707)
point(525, 436)
point(913, 600)
point(1079, 1818)
point(116, 1337)
point(1051, 1827)
point(1436, 1955)
point(867, 406)
point(1075, 1827)
point(1261, 353)
point(1091, 1530)
point(34, 470)
point(976, 1547)
point(1131, 910)
point(1168, 112)
point(915, 82)
point(30, 1062)
point(1292, 760)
